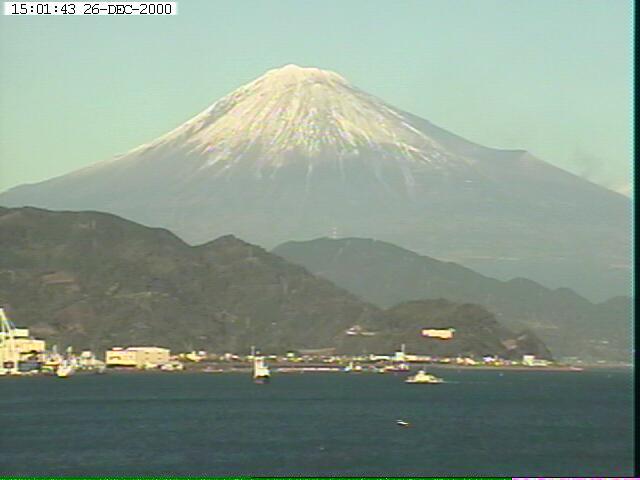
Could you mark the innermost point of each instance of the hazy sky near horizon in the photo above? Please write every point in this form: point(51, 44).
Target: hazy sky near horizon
point(550, 76)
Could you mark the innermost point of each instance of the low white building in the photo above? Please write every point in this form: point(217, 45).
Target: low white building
point(417, 358)
point(441, 333)
point(532, 361)
point(137, 357)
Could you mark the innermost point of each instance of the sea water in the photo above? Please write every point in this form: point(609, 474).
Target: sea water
point(480, 422)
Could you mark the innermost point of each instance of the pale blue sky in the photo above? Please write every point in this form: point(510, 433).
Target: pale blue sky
point(550, 76)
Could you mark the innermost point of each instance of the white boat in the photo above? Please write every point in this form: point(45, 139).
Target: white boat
point(402, 423)
point(397, 368)
point(172, 367)
point(65, 370)
point(351, 368)
point(261, 373)
point(423, 377)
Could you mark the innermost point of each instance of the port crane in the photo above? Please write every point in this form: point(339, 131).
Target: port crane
point(9, 356)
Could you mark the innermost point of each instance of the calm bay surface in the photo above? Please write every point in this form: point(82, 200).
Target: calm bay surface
point(484, 422)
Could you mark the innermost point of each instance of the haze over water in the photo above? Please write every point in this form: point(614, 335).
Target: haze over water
point(479, 423)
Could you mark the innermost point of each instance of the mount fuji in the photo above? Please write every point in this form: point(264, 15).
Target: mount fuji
point(301, 153)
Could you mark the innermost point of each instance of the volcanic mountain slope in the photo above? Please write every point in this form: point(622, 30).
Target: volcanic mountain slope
point(94, 280)
point(386, 275)
point(300, 152)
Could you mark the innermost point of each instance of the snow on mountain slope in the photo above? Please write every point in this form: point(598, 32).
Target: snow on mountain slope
point(303, 110)
point(295, 115)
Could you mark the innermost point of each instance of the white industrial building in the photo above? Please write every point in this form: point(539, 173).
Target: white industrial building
point(17, 346)
point(532, 361)
point(441, 333)
point(137, 357)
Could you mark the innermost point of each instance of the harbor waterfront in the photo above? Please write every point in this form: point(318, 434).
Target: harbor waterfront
point(479, 422)
point(24, 355)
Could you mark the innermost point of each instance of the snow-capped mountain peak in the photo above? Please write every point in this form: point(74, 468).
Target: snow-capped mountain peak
point(291, 74)
point(314, 113)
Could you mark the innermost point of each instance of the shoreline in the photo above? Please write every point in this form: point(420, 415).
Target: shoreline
point(338, 369)
point(314, 368)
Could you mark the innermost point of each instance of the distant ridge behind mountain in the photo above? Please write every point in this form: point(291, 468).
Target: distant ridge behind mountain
point(385, 274)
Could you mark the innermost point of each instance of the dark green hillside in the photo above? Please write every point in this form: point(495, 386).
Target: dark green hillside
point(94, 280)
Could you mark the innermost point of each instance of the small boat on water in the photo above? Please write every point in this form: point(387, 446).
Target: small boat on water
point(351, 368)
point(402, 423)
point(397, 368)
point(423, 377)
point(261, 373)
point(65, 370)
